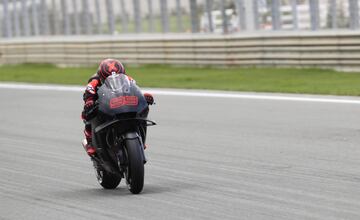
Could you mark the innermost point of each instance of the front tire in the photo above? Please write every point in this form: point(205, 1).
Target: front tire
point(135, 169)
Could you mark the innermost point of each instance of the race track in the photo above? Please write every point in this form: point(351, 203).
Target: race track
point(208, 158)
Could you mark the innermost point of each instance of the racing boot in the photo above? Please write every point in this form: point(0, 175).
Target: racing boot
point(89, 148)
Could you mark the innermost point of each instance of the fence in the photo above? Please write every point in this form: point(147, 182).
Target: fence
point(24, 18)
point(307, 49)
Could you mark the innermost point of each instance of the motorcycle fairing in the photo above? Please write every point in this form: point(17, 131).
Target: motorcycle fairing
point(120, 95)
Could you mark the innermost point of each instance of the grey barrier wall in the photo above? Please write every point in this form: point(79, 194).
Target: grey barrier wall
point(336, 50)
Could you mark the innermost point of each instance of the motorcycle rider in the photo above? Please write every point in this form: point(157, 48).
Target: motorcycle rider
point(106, 68)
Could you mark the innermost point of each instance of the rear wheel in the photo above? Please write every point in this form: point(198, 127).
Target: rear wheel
point(135, 169)
point(107, 180)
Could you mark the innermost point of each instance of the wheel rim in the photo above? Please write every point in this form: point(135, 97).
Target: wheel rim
point(99, 175)
point(128, 178)
point(127, 172)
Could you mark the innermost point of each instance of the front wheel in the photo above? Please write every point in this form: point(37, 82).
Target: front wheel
point(135, 169)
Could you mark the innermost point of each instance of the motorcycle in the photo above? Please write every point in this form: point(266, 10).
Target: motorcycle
point(119, 132)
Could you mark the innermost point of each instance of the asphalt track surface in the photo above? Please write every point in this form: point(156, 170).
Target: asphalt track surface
point(208, 158)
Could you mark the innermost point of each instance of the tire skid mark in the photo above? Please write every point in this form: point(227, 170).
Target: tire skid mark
point(223, 215)
point(300, 193)
point(59, 206)
point(37, 144)
point(230, 193)
point(270, 172)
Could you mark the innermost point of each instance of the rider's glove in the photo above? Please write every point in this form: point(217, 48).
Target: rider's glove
point(88, 112)
point(89, 104)
point(149, 98)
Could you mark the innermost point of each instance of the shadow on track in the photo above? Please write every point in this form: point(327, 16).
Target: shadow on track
point(122, 191)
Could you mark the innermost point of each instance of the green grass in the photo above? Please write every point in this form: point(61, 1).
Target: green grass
point(286, 80)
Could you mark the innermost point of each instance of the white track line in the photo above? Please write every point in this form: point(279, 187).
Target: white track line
point(41, 87)
point(298, 98)
point(193, 93)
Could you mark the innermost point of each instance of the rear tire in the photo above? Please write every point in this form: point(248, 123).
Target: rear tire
point(107, 180)
point(135, 170)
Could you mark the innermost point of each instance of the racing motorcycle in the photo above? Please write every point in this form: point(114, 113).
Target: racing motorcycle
point(119, 132)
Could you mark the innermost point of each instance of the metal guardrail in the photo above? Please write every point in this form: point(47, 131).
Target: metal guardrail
point(24, 18)
point(336, 50)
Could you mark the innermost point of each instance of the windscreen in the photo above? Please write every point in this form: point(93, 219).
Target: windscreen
point(118, 83)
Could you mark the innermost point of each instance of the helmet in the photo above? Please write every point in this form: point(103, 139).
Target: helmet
point(108, 67)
